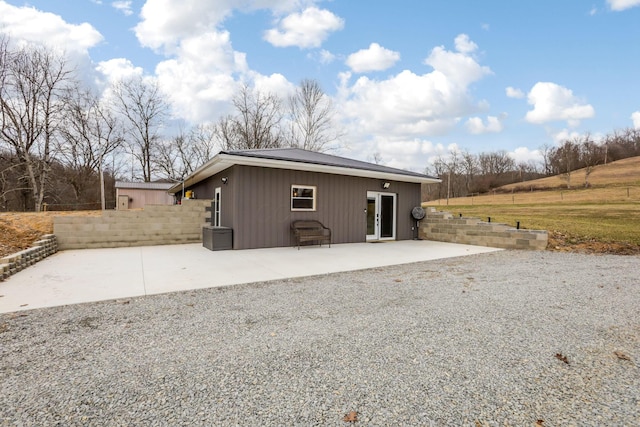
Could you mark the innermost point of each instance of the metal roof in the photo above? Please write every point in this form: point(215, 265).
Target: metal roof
point(145, 185)
point(299, 159)
point(314, 157)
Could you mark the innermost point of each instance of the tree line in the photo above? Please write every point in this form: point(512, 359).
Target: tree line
point(64, 143)
point(463, 173)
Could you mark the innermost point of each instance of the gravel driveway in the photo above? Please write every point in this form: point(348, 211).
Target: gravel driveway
point(505, 338)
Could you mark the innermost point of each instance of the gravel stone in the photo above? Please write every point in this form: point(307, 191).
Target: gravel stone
point(473, 341)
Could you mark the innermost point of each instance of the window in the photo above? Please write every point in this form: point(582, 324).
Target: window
point(215, 214)
point(303, 198)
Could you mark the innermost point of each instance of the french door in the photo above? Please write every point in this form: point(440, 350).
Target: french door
point(381, 216)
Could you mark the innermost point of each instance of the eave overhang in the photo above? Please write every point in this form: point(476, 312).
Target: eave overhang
point(223, 161)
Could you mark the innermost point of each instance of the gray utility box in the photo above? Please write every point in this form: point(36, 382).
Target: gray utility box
point(217, 238)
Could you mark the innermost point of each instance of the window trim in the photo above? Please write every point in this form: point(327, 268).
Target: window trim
point(314, 198)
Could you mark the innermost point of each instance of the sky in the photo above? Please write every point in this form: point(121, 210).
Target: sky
point(409, 79)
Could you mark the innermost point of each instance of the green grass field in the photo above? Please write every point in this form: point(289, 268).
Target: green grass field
point(604, 222)
point(606, 214)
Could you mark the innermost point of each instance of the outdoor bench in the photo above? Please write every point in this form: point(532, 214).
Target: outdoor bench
point(310, 231)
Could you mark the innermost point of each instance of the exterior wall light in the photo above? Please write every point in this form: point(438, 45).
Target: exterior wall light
point(386, 185)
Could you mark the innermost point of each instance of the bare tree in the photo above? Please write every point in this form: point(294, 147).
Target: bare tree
point(495, 167)
point(469, 167)
point(495, 162)
point(591, 154)
point(225, 133)
point(256, 124)
point(12, 180)
point(375, 158)
point(91, 132)
point(312, 112)
point(144, 110)
point(169, 156)
point(33, 80)
point(546, 151)
point(183, 154)
point(449, 169)
point(523, 169)
point(203, 146)
point(567, 156)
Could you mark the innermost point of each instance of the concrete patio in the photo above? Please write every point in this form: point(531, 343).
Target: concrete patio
point(78, 276)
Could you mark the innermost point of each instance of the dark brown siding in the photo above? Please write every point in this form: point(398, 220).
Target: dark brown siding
point(256, 204)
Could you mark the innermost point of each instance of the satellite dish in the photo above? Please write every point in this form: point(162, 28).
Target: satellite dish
point(418, 213)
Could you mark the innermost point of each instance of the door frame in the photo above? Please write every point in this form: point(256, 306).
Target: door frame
point(377, 196)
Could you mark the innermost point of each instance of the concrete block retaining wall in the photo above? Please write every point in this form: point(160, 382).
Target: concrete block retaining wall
point(153, 225)
point(13, 263)
point(444, 227)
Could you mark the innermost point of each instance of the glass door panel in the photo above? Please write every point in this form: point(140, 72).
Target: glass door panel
point(386, 216)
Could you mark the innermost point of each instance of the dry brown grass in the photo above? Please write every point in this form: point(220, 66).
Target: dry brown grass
point(621, 173)
point(18, 230)
point(626, 194)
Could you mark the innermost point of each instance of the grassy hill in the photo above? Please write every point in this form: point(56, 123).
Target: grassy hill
point(615, 182)
point(619, 173)
point(604, 218)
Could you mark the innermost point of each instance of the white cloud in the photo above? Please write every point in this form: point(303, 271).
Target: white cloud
point(636, 119)
point(27, 25)
point(275, 83)
point(375, 58)
point(322, 56)
point(525, 155)
point(204, 76)
point(118, 69)
point(552, 102)
point(326, 57)
point(564, 135)
point(514, 93)
point(304, 30)
point(410, 107)
point(476, 126)
point(202, 71)
point(619, 5)
point(165, 22)
point(200, 79)
point(31, 25)
point(123, 6)
point(409, 154)
point(464, 44)
point(458, 68)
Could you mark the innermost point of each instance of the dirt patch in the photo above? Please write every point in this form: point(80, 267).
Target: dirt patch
point(563, 242)
point(18, 230)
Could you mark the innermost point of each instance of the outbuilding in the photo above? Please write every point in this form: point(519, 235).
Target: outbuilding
point(136, 195)
point(257, 194)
